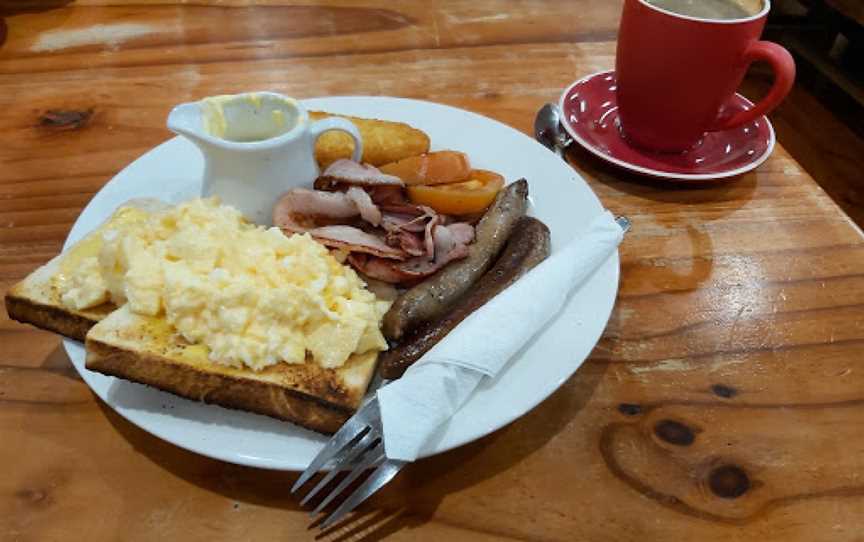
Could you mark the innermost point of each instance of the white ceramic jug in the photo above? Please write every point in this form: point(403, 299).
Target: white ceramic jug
point(256, 146)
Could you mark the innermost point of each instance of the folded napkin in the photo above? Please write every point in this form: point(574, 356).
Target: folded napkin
point(434, 388)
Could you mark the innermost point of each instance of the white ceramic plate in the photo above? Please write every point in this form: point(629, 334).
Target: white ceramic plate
point(172, 171)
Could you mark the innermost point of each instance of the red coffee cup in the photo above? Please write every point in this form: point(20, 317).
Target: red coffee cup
point(675, 73)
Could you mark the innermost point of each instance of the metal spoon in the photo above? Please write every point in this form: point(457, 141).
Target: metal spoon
point(548, 130)
point(623, 223)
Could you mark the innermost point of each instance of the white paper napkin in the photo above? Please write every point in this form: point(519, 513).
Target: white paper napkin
point(435, 387)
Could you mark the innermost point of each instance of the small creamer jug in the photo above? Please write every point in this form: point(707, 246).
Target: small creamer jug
point(256, 146)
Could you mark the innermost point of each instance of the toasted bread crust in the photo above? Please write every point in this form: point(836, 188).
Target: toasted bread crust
point(48, 317)
point(219, 389)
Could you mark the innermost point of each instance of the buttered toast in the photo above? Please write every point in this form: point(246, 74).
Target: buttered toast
point(36, 300)
point(212, 308)
point(147, 350)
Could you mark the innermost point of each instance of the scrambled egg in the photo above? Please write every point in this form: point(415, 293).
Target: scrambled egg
point(79, 280)
point(251, 295)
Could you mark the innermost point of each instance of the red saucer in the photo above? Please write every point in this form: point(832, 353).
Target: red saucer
point(589, 113)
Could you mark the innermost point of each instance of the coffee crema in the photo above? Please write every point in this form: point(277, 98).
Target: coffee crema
point(711, 9)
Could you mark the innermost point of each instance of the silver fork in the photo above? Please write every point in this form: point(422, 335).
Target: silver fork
point(358, 446)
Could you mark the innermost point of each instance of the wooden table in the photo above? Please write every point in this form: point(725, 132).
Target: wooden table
point(849, 8)
point(725, 401)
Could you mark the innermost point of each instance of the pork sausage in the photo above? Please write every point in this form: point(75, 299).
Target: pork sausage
point(434, 296)
point(528, 245)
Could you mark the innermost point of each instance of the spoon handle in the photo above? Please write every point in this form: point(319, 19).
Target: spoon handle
point(623, 222)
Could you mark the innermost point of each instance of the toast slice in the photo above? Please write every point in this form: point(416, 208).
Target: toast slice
point(36, 300)
point(147, 350)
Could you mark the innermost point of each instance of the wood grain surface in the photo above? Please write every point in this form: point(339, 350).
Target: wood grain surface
point(725, 401)
point(849, 8)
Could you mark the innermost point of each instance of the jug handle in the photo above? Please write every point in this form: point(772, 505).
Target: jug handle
point(318, 128)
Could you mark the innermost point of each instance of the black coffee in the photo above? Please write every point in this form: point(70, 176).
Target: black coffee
point(711, 9)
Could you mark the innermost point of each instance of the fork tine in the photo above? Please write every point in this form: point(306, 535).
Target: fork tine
point(345, 458)
point(381, 476)
point(333, 447)
point(348, 432)
point(371, 459)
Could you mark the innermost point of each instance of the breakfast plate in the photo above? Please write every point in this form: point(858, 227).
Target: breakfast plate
point(559, 197)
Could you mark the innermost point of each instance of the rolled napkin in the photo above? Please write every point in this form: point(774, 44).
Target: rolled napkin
point(434, 388)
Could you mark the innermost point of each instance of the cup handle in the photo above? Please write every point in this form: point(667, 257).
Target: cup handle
point(783, 67)
point(318, 128)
